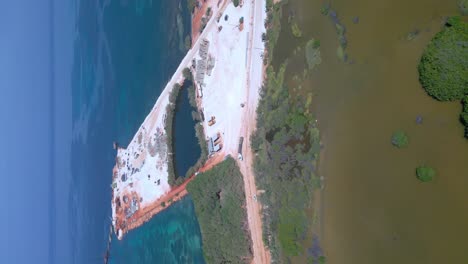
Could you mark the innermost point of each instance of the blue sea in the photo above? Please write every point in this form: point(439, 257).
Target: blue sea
point(75, 76)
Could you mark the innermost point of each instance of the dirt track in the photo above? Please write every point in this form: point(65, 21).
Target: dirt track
point(254, 82)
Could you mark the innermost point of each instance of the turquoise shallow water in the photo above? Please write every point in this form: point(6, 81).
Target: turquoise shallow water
point(171, 237)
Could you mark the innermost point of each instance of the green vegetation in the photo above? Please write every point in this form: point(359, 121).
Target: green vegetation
point(463, 6)
point(273, 26)
point(163, 204)
point(444, 65)
point(188, 42)
point(219, 199)
point(235, 2)
point(340, 53)
point(341, 50)
point(180, 31)
point(241, 20)
point(296, 31)
point(412, 34)
point(325, 9)
point(425, 174)
point(464, 115)
point(173, 179)
point(340, 28)
point(187, 74)
point(200, 134)
point(312, 52)
point(322, 260)
point(191, 5)
point(400, 139)
point(287, 146)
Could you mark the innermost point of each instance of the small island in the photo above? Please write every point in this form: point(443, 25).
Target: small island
point(399, 139)
point(425, 173)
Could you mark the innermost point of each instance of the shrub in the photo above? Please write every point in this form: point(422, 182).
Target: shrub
point(464, 115)
point(187, 74)
point(425, 174)
point(322, 260)
point(312, 52)
point(325, 9)
point(241, 20)
point(296, 31)
point(200, 134)
point(172, 178)
point(444, 63)
point(399, 139)
point(188, 42)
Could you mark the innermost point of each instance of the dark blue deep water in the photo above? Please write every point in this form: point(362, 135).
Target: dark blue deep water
point(124, 53)
point(186, 147)
point(76, 75)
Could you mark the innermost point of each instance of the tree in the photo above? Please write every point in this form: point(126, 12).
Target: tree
point(241, 20)
point(425, 173)
point(235, 2)
point(187, 73)
point(399, 139)
point(443, 65)
point(219, 199)
point(464, 115)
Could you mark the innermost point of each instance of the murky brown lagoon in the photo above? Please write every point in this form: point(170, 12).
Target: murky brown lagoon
point(374, 208)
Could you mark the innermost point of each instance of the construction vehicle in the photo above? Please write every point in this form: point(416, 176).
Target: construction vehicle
point(212, 121)
point(217, 139)
point(239, 155)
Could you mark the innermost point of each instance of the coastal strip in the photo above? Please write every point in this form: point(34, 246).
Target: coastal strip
point(140, 176)
point(226, 61)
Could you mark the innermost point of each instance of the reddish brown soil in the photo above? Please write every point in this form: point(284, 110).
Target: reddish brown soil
point(197, 15)
point(143, 215)
point(201, 11)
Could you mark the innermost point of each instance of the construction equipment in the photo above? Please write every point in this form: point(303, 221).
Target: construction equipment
point(212, 121)
point(239, 155)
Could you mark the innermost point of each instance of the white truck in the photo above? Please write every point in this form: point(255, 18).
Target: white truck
point(239, 155)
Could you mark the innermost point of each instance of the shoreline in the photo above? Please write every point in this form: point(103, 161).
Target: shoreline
point(228, 54)
point(133, 201)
